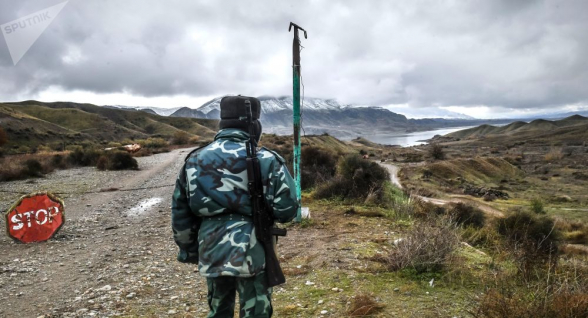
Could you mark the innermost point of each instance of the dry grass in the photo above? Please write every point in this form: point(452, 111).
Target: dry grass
point(559, 296)
point(428, 247)
point(364, 305)
point(554, 154)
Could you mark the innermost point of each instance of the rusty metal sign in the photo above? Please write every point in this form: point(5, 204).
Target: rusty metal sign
point(35, 217)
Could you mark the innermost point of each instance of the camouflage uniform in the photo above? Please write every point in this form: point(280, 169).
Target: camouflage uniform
point(212, 225)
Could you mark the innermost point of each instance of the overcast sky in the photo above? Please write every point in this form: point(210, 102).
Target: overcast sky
point(481, 58)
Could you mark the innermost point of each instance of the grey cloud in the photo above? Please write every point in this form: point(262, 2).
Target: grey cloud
point(513, 54)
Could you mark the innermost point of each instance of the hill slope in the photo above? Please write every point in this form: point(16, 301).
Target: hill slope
point(536, 128)
point(32, 123)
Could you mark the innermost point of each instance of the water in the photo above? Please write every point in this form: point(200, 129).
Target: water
point(411, 139)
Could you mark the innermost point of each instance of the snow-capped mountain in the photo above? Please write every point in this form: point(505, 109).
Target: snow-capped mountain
point(157, 110)
point(271, 104)
point(327, 115)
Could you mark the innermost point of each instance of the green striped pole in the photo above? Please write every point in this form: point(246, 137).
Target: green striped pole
point(296, 110)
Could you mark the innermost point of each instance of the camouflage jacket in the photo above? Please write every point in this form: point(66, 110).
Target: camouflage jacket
point(211, 207)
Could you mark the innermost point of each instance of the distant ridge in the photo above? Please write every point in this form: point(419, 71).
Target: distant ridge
point(520, 127)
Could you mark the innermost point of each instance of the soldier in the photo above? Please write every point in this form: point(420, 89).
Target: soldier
point(212, 215)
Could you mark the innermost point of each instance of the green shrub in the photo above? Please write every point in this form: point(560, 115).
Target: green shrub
point(23, 149)
point(537, 206)
point(467, 215)
point(356, 178)
point(317, 166)
point(533, 240)
point(436, 151)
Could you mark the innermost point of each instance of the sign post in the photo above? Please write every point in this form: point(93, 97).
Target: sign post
point(35, 217)
point(296, 109)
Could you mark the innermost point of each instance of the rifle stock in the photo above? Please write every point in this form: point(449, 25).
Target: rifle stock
point(263, 220)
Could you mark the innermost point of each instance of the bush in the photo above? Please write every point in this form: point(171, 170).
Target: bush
point(555, 298)
point(58, 161)
point(117, 160)
point(180, 137)
point(356, 179)
point(533, 240)
point(467, 215)
point(317, 165)
point(428, 247)
point(436, 151)
point(153, 143)
point(23, 149)
point(537, 206)
point(33, 168)
point(80, 157)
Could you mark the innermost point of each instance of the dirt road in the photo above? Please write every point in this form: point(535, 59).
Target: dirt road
point(113, 246)
point(393, 169)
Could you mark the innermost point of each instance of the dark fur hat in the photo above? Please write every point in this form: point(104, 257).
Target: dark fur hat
point(233, 113)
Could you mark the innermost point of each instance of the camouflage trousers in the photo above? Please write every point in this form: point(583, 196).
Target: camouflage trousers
point(254, 296)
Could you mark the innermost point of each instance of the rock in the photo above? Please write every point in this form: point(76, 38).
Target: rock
point(105, 288)
point(324, 312)
point(309, 283)
point(172, 312)
point(131, 295)
point(396, 289)
point(321, 301)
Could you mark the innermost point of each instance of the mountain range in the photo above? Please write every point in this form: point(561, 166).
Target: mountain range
point(328, 116)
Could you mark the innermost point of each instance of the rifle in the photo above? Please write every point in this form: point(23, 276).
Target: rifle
point(262, 212)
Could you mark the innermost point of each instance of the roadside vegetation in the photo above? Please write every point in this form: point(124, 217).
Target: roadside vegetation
point(35, 163)
point(526, 264)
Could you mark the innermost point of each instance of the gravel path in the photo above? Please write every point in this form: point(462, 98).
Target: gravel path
point(393, 169)
point(114, 253)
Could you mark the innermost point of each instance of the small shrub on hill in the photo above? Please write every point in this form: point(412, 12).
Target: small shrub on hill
point(436, 151)
point(117, 160)
point(537, 206)
point(467, 215)
point(180, 137)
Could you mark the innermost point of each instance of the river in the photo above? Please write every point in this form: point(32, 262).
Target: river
point(410, 139)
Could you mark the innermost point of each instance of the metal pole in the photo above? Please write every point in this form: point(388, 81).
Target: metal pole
point(296, 110)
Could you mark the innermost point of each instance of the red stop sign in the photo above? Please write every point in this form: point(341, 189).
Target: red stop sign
point(35, 217)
